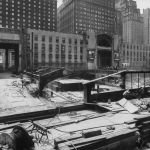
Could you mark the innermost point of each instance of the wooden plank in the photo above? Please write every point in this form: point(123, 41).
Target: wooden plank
point(63, 147)
point(130, 122)
point(75, 121)
point(82, 141)
point(122, 132)
point(68, 138)
point(91, 133)
point(117, 136)
point(127, 105)
point(39, 115)
point(88, 146)
point(143, 118)
point(101, 78)
point(146, 122)
point(134, 71)
point(36, 76)
point(146, 131)
point(91, 142)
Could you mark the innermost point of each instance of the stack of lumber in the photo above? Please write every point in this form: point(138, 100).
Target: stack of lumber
point(143, 123)
point(90, 139)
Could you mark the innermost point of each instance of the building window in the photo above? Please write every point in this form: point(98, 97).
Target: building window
point(35, 60)
point(35, 37)
point(43, 38)
point(69, 56)
point(50, 48)
point(81, 42)
point(75, 57)
point(63, 40)
point(75, 50)
point(35, 47)
point(63, 56)
point(75, 41)
point(69, 49)
point(43, 59)
point(81, 50)
point(62, 48)
point(43, 47)
point(69, 41)
point(57, 48)
point(57, 56)
point(57, 39)
point(50, 58)
point(50, 39)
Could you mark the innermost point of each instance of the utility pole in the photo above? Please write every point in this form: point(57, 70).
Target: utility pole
point(32, 56)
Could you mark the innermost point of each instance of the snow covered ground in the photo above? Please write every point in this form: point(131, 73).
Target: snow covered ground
point(14, 99)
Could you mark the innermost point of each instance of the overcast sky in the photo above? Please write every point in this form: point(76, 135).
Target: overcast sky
point(140, 3)
point(59, 2)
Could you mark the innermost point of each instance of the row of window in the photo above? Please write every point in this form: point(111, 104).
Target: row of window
point(19, 26)
point(138, 47)
point(97, 14)
point(135, 54)
point(57, 56)
point(134, 59)
point(63, 48)
point(106, 3)
point(64, 40)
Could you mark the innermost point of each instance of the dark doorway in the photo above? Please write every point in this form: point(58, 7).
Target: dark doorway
point(104, 42)
point(9, 57)
point(104, 58)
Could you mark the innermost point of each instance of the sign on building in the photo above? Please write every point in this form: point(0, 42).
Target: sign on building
point(1, 58)
point(116, 56)
point(91, 55)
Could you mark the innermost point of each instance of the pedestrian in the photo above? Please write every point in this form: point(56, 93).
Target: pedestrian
point(21, 77)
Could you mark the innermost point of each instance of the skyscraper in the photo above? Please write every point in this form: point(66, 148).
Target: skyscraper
point(33, 14)
point(76, 16)
point(146, 16)
point(134, 48)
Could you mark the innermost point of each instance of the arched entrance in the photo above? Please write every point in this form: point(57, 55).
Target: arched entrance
point(104, 51)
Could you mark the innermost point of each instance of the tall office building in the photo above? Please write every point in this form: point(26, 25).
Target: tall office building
point(134, 46)
point(33, 14)
point(76, 16)
point(146, 16)
point(132, 21)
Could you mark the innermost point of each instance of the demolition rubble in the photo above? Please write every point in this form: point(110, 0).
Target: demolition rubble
point(83, 117)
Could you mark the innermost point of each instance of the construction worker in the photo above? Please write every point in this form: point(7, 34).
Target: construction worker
point(141, 92)
point(21, 77)
point(127, 94)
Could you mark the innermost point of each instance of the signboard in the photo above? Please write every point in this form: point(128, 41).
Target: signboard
point(1, 59)
point(116, 56)
point(91, 55)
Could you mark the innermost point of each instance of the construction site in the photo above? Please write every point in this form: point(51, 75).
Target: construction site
point(56, 109)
